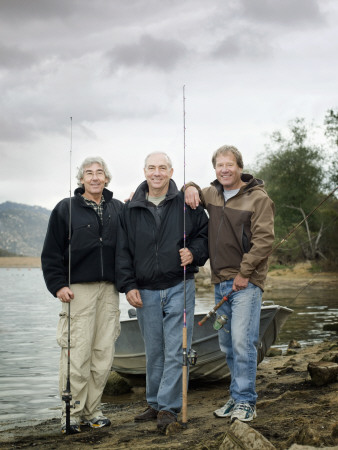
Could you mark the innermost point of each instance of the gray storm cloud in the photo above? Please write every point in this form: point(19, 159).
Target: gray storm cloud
point(117, 67)
point(151, 52)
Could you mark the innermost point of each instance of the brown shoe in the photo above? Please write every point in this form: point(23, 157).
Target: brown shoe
point(164, 418)
point(149, 414)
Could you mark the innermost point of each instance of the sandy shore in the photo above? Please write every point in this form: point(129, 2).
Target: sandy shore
point(20, 262)
point(291, 410)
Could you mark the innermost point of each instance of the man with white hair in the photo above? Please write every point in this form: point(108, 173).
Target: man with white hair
point(94, 316)
point(150, 269)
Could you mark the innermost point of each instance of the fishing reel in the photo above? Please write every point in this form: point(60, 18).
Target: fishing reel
point(220, 321)
point(67, 398)
point(192, 357)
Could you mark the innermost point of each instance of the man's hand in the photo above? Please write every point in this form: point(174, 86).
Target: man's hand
point(240, 283)
point(192, 197)
point(186, 256)
point(134, 298)
point(65, 295)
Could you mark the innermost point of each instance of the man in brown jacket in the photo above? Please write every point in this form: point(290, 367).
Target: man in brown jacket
point(241, 234)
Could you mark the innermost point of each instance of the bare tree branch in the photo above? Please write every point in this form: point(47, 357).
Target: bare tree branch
point(307, 228)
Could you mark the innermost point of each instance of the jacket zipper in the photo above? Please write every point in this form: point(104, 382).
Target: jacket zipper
point(101, 241)
point(101, 255)
point(156, 253)
point(218, 231)
point(100, 236)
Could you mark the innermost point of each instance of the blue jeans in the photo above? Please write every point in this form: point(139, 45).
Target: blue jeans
point(239, 337)
point(161, 324)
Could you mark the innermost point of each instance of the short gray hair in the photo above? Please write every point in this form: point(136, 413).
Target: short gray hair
point(228, 149)
point(88, 162)
point(170, 164)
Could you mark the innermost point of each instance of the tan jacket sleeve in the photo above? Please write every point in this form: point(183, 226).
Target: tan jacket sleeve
point(200, 192)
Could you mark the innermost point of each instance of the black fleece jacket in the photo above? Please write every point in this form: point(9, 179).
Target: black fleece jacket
point(150, 238)
point(93, 244)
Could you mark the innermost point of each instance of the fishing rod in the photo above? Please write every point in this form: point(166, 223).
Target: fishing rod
point(66, 395)
point(214, 309)
point(225, 298)
point(184, 334)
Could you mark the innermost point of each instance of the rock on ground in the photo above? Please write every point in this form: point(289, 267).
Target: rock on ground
point(240, 435)
point(323, 372)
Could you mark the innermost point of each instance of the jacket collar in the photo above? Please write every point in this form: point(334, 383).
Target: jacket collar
point(139, 198)
point(249, 180)
point(108, 195)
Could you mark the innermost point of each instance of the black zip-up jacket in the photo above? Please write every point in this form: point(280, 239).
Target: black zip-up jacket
point(150, 238)
point(93, 244)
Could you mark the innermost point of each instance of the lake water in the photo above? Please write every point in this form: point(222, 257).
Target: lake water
point(29, 355)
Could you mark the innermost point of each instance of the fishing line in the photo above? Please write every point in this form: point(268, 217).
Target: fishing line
point(67, 396)
point(300, 223)
point(184, 334)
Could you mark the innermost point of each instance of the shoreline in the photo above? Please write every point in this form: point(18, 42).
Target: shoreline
point(291, 410)
point(299, 271)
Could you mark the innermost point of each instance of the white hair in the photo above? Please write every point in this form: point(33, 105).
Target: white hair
point(88, 162)
point(170, 164)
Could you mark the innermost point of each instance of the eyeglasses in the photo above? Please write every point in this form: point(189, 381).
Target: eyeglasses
point(91, 174)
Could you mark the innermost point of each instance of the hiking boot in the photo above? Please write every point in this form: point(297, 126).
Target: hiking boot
point(164, 418)
point(226, 410)
point(148, 414)
point(97, 422)
point(73, 428)
point(244, 412)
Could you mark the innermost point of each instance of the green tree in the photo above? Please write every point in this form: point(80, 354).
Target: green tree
point(331, 132)
point(293, 175)
point(331, 125)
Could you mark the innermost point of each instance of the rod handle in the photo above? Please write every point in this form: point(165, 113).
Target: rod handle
point(184, 380)
point(219, 304)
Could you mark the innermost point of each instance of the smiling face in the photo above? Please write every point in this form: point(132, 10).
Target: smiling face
point(228, 172)
point(158, 173)
point(94, 180)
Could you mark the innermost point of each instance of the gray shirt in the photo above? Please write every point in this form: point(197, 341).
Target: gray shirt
point(228, 194)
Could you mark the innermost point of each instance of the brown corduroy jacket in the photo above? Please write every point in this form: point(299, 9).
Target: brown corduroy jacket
point(241, 231)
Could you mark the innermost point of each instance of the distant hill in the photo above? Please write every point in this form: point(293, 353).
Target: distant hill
point(22, 229)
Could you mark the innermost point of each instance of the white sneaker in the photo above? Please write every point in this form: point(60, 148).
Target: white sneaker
point(226, 410)
point(74, 427)
point(244, 412)
point(97, 422)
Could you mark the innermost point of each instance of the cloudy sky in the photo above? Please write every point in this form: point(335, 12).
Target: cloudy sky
point(118, 67)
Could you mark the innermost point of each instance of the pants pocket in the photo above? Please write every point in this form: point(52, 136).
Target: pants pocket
point(117, 325)
point(62, 331)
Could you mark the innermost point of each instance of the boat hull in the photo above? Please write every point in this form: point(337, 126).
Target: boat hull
point(211, 365)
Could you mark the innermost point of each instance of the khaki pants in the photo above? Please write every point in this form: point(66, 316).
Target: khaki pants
point(94, 328)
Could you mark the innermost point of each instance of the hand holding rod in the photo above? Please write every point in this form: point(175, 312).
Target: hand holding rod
point(215, 308)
